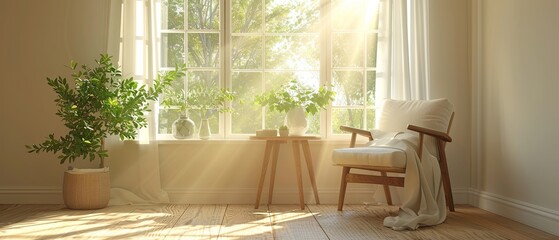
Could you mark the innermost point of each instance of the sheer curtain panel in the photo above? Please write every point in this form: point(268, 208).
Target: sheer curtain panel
point(135, 175)
point(403, 50)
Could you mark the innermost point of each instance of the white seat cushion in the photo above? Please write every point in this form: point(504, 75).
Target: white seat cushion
point(370, 156)
point(392, 138)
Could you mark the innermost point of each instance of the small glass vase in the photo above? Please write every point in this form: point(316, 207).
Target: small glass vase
point(205, 131)
point(183, 127)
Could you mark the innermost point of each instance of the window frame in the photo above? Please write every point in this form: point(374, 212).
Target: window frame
point(325, 69)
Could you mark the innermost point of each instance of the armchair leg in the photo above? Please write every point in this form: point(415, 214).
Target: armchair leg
point(343, 186)
point(386, 190)
point(445, 177)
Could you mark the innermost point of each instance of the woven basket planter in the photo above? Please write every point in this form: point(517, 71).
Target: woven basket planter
point(86, 190)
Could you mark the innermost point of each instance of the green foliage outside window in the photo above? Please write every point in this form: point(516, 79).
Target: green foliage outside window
point(271, 42)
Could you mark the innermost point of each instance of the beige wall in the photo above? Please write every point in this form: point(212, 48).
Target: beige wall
point(39, 37)
point(450, 78)
point(517, 86)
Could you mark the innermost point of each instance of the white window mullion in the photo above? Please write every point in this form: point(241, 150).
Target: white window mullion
point(225, 61)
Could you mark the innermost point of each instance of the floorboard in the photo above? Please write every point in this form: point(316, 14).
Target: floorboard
point(290, 222)
point(181, 221)
point(198, 222)
point(243, 221)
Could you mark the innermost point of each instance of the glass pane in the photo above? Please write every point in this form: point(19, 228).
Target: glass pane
point(203, 14)
point(371, 86)
point(371, 50)
point(172, 16)
point(166, 119)
point(246, 52)
point(292, 52)
point(313, 122)
point(370, 119)
point(274, 119)
point(276, 79)
point(172, 49)
point(348, 15)
point(292, 16)
point(206, 78)
point(348, 49)
point(246, 117)
point(176, 86)
point(203, 50)
point(347, 117)
point(371, 14)
point(246, 16)
point(348, 86)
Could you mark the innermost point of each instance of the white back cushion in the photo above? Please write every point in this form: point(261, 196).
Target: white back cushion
point(396, 115)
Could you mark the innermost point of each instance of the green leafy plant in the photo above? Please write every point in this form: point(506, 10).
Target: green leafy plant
point(206, 99)
point(99, 103)
point(283, 127)
point(295, 94)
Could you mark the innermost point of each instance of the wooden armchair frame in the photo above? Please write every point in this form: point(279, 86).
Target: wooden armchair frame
point(441, 139)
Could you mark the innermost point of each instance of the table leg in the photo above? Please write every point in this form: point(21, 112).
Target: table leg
point(263, 173)
point(275, 152)
point(307, 153)
point(297, 159)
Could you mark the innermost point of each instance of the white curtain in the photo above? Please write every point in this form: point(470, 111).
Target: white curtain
point(132, 41)
point(403, 50)
point(403, 74)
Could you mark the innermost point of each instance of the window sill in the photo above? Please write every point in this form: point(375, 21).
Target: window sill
point(211, 141)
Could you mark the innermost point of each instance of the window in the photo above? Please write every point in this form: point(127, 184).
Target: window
point(250, 46)
point(353, 53)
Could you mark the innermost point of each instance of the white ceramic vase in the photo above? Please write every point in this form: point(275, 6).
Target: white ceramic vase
point(296, 121)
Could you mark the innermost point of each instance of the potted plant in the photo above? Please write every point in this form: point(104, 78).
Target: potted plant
point(183, 127)
point(283, 131)
point(208, 100)
point(98, 103)
point(296, 100)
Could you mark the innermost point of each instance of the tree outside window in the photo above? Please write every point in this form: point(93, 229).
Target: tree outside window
point(250, 46)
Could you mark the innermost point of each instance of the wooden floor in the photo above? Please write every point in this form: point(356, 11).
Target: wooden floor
point(244, 222)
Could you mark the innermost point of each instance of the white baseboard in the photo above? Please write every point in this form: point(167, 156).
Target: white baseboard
point(532, 215)
point(461, 195)
point(31, 196)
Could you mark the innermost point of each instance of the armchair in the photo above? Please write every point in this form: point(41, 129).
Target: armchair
point(423, 125)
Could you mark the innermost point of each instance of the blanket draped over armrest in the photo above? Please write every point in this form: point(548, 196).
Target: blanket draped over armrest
point(423, 202)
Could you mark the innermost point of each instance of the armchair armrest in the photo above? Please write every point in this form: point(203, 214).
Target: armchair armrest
point(437, 134)
point(354, 132)
point(358, 131)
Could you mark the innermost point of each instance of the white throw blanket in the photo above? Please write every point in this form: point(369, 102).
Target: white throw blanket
point(423, 202)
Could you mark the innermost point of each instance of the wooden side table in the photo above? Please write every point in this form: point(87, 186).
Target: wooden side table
point(272, 147)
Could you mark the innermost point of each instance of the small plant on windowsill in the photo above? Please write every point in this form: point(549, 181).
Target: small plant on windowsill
point(98, 103)
point(208, 100)
point(296, 100)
